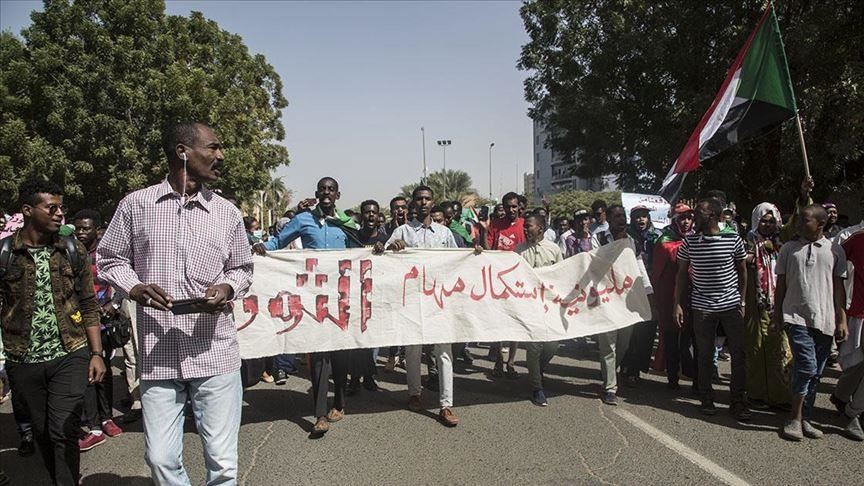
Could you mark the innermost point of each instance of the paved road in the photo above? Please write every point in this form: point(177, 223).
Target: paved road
point(654, 437)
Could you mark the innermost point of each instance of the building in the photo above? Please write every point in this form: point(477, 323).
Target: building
point(551, 173)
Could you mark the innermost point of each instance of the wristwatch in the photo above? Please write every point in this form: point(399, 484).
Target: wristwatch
point(96, 353)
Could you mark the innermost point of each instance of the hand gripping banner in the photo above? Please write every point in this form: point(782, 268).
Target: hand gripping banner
point(318, 300)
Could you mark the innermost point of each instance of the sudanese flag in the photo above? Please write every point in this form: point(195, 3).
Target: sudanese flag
point(755, 97)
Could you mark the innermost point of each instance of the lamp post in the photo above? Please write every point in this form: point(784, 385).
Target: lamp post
point(443, 144)
point(490, 169)
point(423, 135)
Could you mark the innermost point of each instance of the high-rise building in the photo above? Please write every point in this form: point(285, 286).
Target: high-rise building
point(552, 173)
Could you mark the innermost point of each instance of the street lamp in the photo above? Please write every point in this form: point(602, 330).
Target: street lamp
point(423, 135)
point(443, 144)
point(490, 169)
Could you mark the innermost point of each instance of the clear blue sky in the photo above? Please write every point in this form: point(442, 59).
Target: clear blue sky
point(361, 78)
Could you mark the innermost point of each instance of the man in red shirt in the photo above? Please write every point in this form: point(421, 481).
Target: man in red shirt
point(848, 396)
point(506, 234)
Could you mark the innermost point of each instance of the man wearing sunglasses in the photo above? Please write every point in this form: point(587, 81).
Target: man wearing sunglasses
point(50, 320)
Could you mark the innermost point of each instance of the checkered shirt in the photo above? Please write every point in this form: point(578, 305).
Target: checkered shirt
point(153, 239)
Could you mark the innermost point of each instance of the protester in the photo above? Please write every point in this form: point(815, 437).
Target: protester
point(99, 397)
point(769, 357)
point(453, 214)
point(564, 228)
point(538, 252)
point(579, 240)
point(422, 232)
point(505, 234)
point(362, 360)
point(676, 338)
point(848, 396)
point(638, 357)
point(172, 241)
point(613, 345)
point(50, 326)
point(712, 269)
point(810, 292)
point(832, 228)
point(398, 213)
point(598, 212)
point(323, 228)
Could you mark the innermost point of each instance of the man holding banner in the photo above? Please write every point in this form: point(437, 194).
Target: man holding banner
point(323, 228)
point(422, 232)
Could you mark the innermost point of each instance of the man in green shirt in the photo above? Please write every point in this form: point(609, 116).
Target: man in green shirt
point(50, 321)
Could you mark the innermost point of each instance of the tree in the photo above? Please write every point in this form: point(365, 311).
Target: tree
point(84, 97)
point(624, 83)
point(567, 202)
point(447, 185)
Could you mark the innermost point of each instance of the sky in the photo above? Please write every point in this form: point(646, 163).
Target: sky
point(363, 77)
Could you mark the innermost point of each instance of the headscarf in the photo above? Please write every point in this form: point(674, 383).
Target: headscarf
point(675, 231)
point(765, 252)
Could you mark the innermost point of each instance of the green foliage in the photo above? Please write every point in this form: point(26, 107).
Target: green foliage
point(567, 202)
point(626, 81)
point(84, 97)
point(449, 185)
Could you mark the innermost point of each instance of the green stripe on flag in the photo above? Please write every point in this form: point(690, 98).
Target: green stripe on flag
point(764, 71)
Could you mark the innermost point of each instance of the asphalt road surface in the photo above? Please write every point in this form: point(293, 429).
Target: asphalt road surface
point(655, 436)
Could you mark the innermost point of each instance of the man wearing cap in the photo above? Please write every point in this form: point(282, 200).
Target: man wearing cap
point(580, 239)
point(676, 340)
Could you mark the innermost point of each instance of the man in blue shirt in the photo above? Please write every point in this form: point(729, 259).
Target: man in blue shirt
point(322, 228)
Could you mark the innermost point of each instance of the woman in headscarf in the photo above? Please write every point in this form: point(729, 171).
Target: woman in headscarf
point(768, 355)
point(675, 341)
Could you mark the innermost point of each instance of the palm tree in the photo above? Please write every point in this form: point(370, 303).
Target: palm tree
point(448, 185)
point(277, 198)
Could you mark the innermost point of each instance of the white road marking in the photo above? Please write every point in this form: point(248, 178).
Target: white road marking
point(699, 460)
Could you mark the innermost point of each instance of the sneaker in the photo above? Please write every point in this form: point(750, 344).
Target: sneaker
point(539, 398)
point(335, 415)
point(741, 412)
point(447, 417)
point(792, 430)
point(609, 398)
point(414, 403)
point(321, 426)
point(511, 372)
point(281, 377)
point(853, 430)
point(840, 405)
point(353, 387)
point(391, 364)
point(707, 407)
point(810, 431)
point(90, 441)
point(369, 384)
point(111, 429)
point(26, 447)
point(133, 415)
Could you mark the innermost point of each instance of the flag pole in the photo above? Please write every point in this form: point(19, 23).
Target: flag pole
point(803, 146)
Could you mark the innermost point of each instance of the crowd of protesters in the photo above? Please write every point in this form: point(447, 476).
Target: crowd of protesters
point(778, 300)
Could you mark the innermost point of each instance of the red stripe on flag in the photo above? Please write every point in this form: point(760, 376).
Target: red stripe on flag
point(688, 160)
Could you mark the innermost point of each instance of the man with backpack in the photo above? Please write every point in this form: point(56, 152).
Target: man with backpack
point(50, 320)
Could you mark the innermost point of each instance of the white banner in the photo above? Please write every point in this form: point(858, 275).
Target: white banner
point(308, 300)
point(659, 207)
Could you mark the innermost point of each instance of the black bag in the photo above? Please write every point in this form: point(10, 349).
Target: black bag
point(118, 330)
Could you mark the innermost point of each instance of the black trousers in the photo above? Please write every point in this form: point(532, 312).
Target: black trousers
point(638, 357)
point(362, 363)
point(99, 399)
point(676, 351)
point(54, 394)
point(336, 363)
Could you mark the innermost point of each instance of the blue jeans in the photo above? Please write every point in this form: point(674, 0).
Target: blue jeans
point(810, 348)
point(286, 363)
point(216, 403)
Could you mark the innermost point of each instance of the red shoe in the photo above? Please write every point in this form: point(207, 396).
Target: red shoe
point(111, 429)
point(90, 441)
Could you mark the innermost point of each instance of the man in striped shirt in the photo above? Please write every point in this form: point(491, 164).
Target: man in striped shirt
point(712, 266)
